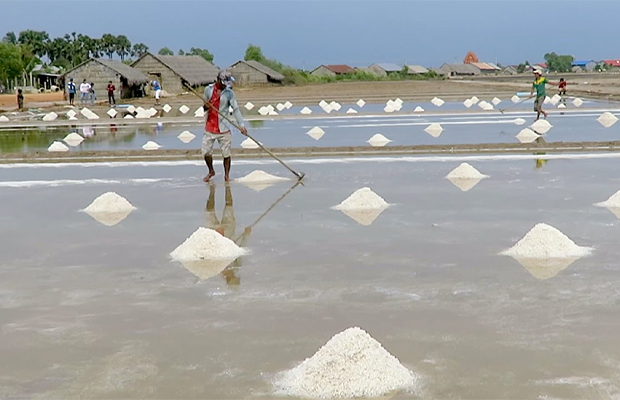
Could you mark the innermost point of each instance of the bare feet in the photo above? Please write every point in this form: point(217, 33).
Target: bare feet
point(208, 177)
point(226, 178)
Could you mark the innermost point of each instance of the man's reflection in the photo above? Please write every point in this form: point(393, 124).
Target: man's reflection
point(227, 227)
point(540, 162)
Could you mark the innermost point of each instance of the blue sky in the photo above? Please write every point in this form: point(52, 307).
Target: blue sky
point(358, 33)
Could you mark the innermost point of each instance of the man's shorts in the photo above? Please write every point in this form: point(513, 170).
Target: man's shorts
point(208, 140)
point(157, 93)
point(538, 103)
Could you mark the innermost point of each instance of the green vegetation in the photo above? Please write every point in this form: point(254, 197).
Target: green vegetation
point(559, 63)
point(164, 51)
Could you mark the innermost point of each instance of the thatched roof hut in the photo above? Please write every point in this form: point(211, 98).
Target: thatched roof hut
point(173, 71)
point(126, 79)
point(252, 72)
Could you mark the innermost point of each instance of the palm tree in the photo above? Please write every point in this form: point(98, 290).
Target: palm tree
point(38, 41)
point(122, 46)
point(108, 44)
point(139, 49)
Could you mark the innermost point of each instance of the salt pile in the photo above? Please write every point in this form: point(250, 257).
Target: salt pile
point(378, 140)
point(360, 103)
point(418, 109)
point(364, 206)
point(545, 241)
point(316, 133)
point(495, 101)
point(323, 103)
point(577, 102)
point(258, 180)
point(128, 116)
point(515, 99)
point(112, 113)
point(57, 147)
point(184, 109)
point(186, 136)
point(328, 109)
point(306, 111)
point(109, 209)
point(131, 109)
point(541, 126)
point(71, 113)
point(270, 108)
point(475, 100)
point(150, 145)
point(607, 119)
point(389, 108)
point(519, 121)
point(547, 100)
point(280, 106)
point(612, 204)
point(288, 104)
point(434, 129)
point(272, 112)
point(562, 105)
point(200, 112)
point(351, 111)
point(73, 139)
point(88, 113)
point(465, 177)
point(249, 106)
point(263, 110)
point(207, 244)
point(50, 116)
point(335, 105)
point(438, 102)
point(545, 251)
point(468, 103)
point(167, 108)
point(350, 365)
point(249, 144)
point(527, 136)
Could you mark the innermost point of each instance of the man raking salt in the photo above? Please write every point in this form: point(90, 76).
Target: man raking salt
point(220, 97)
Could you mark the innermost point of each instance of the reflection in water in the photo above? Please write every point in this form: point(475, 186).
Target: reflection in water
point(88, 131)
point(364, 216)
point(545, 268)
point(540, 162)
point(109, 218)
point(465, 184)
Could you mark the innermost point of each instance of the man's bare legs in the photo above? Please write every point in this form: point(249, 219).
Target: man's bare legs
point(226, 169)
point(209, 162)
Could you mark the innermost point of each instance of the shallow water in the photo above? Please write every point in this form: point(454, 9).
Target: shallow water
point(98, 312)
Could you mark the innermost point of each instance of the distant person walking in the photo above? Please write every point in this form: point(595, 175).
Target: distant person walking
point(111, 89)
point(20, 100)
point(220, 97)
point(562, 87)
point(84, 91)
point(71, 90)
point(157, 88)
point(93, 95)
point(539, 86)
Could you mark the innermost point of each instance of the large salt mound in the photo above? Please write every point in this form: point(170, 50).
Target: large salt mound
point(73, 139)
point(434, 129)
point(186, 136)
point(544, 241)
point(350, 365)
point(527, 136)
point(612, 203)
point(249, 144)
point(110, 202)
point(362, 199)
point(259, 176)
point(207, 244)
point(378, 140)
point(57, 147)
point(465, 171)
point(316, 133)
point(150, 145)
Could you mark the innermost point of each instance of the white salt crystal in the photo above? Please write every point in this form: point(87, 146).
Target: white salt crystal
point(607, 119)
point(388, 109)
point(468, 103)
point(280, 106)
point(475, 100)
point(263, 110)
point(3, 118)
point(71, 113)
point(541, 126)
point(577, 102)
point(249, 106)
point(50, 116)
point(362, 199)
point(150, 145)
point(418, 109)
point(439, 102)
point(378, 140)
point(85, 111)
point(335, 106)
point(519, 121)
point(167, 108)
point(515, 99)
point(112, 113)
point(200, 112)
point(73, 139)
point(482, 104)
point(545, 241)
point(109, 202)
point(350, 365)
point(288, 104)
point(207, 244)
point(434, 129)
point(57, 147)
point(131, 109)
point(152, 111)
point(328, 109)
point(186, 136)
point(495, 101)
point(249, 144)
point(351, 111)
point(360, 103)
point(323, 103)
point(561, 105)
point(466, 171)
point(184, 109)
point(527, 136)
point(316, 133)
point(306, 111)
point(128, 116)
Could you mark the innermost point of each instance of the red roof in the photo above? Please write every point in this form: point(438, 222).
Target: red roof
point(613, 63)
point(339, 68)
point(544, 65)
